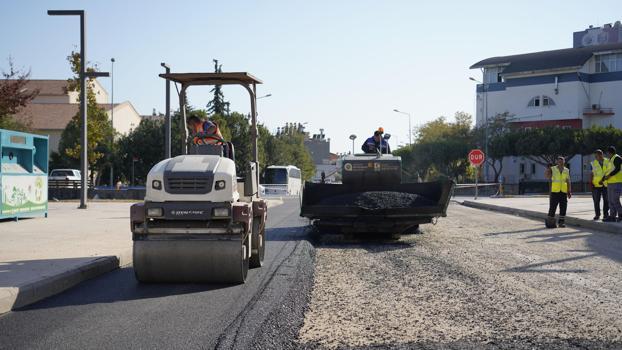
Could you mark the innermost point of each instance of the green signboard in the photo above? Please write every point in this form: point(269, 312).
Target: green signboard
point(23, 194)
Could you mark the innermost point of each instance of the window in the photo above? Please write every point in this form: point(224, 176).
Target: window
point(522, 168)
point(295, 173)
point(608, 63)
point(541, 101)
point(492, 75)
point(547, 101)
point(275, 176)
point(533, 168)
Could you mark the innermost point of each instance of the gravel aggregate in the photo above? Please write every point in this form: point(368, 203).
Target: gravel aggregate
point(477, 280)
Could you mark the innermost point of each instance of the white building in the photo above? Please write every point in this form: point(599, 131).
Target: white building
point(572, 88)
point(52, 109)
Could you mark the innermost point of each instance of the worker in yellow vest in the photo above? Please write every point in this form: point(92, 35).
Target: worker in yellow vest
point(599, 188)
point(613, 176)
point(560, 191)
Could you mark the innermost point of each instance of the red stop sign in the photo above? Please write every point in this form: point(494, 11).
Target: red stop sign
point(476, 157)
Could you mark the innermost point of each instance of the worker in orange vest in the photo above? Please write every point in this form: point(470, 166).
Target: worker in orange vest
point(205, 132)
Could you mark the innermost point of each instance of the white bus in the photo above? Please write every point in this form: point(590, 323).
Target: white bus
point(282, 180)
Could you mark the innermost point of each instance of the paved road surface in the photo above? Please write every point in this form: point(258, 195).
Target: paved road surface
point(476, 280)
point(116, 312)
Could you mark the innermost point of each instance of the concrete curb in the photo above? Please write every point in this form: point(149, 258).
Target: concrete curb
point(48, 286)
point(571, 221)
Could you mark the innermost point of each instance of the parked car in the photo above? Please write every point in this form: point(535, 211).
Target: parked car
point(65, 174)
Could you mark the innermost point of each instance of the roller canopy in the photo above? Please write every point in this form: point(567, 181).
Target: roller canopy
point(229, 78)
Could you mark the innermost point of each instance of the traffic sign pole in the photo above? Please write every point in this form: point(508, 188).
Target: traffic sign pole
point(476, 180)
point(476, 158)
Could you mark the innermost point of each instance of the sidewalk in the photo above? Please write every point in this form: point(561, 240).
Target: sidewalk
point(41, 257)
point(580, 209)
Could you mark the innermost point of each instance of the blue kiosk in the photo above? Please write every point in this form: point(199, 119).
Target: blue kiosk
point(23, 174)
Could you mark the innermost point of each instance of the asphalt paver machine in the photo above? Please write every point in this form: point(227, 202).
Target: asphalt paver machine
point(199, 221)
point(373, 199)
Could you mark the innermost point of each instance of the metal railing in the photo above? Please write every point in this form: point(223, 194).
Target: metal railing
point(598, 111)
point(74, 184)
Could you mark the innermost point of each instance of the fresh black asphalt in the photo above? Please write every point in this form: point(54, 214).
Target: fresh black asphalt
point(114, 311)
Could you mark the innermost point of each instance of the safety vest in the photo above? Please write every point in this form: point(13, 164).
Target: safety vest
point(559, 180)
point(207, 133)
point(617, 178)
point(599, 171)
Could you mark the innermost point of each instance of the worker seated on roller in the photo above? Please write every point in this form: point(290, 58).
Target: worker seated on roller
point(205, 132)
point(372, 144)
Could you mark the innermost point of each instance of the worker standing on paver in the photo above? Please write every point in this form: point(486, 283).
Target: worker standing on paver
point(614, 185)
point(376, 142)
point(560, 191)
point(599, 187)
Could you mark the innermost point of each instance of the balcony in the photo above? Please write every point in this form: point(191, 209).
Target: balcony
point(598, 111)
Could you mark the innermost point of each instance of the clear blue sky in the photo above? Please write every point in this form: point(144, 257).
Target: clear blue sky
point(338, 65)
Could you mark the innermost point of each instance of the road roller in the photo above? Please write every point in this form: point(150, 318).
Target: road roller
point(202, 220)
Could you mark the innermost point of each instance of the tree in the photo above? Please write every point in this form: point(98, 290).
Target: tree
point(218, 105)
point(499, 139)
point(440, 148)
point(14, 96)
point(601, 138)
point(287, 147)
point(544, 145)
point(99, 129)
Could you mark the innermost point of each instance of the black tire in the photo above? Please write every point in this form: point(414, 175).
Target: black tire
point(258, 243)
point(412, 230)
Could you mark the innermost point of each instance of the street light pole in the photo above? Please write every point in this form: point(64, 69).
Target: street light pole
point(410, 130)
point(84, 163)
point(167, 116)
point(485, 112)
point(352, 137)
point(111, 120)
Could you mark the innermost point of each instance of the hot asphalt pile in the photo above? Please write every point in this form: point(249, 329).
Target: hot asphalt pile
point(378, 200)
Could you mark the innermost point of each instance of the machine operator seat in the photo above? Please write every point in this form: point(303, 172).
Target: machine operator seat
point(225, 149)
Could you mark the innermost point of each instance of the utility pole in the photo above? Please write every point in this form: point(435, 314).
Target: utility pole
point(111, 121)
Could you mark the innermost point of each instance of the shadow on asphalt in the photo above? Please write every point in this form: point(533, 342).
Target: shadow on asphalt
point(599, 244)
point(536, 267)
point(118, 285)
point(492, 234)
point(371, 242)
point(121, 285)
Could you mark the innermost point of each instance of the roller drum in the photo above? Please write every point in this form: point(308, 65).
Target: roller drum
point(217, 261)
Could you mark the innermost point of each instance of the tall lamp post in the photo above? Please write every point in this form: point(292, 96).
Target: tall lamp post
point(167, 116)
point(111, 121)
point(410, 130)
point(84, 162)
point(485, 112)
point(264, 96)
point(352, 137)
